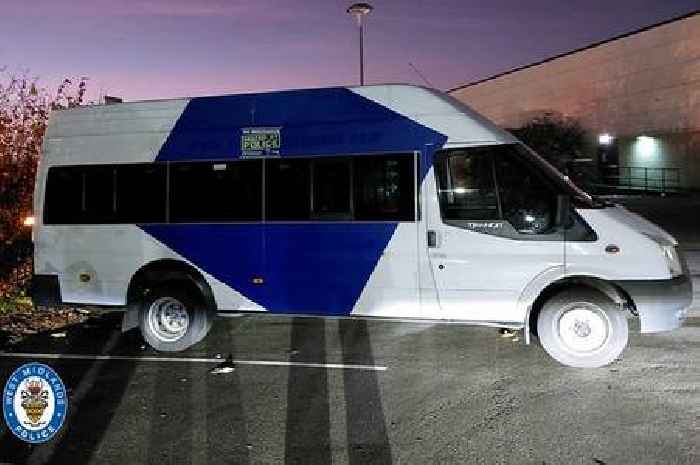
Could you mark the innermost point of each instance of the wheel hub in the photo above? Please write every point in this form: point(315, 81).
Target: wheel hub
point(168, 319)
point(584, 328)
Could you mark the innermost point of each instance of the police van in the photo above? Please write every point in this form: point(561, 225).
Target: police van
point(387, 201)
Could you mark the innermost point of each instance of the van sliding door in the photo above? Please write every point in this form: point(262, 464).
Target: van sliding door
point(340, 235)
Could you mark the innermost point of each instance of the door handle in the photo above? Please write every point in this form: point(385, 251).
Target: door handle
point(432, 239)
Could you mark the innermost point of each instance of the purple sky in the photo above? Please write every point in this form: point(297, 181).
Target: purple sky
point(141, 49)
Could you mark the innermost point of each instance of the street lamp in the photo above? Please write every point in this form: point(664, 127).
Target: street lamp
point(359, 11)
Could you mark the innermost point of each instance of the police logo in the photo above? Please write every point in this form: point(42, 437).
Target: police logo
point(34, 403)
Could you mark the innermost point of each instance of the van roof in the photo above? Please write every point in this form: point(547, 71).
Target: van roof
point(325, 121)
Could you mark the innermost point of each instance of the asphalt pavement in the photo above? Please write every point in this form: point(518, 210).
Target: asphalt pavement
point(393, 393)
point(314, 391)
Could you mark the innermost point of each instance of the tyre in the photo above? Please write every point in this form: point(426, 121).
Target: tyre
point(172, 319)
point(582, 328)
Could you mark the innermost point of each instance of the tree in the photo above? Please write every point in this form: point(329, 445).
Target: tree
point(560, 141)
point(24, 113)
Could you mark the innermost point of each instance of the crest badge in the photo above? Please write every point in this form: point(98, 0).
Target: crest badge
point(34, 403)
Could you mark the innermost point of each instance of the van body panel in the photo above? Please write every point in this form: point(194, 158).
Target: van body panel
point(393, 288)
point(110, 255)
point(317, 122)
point(639, 257)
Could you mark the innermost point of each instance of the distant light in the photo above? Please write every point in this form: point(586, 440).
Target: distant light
point(28, 221)
point(605, 139)
point(645, 146)
point(464, 190)
point(529, 218)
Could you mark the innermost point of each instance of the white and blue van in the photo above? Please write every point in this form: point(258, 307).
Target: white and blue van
point(387, 201)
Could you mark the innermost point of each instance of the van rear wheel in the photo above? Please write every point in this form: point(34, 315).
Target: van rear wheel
point(172, 319)
point(582, 328)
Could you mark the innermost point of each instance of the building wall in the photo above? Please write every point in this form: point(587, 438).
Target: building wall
point(645, 84)
point(678, 151)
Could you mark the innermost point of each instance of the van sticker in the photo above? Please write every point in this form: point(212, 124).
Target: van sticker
point(260, 142)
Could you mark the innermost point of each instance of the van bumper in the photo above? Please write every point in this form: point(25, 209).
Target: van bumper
point(45, 290)
point(662, 304)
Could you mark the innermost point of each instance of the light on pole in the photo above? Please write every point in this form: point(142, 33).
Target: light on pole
point(359, 11)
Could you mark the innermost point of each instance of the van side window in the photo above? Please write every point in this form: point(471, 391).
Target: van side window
point(215, 191)
point(495, 190)
point(80, 194)
point(528, 201)
point(466, 185)
point(98, 194)
point(384, 188)
point(331, 188)
point(102, 194)
point(140, 193)
point(288, 189)
point(343, 188)
point(361, 188)
point(63, 202)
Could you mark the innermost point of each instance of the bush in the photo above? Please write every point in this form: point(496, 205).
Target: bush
point(561, 141)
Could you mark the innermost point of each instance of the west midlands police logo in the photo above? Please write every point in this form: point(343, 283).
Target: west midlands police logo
point(34, 403)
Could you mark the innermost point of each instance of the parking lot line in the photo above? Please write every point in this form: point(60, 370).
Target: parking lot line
point(329, 366)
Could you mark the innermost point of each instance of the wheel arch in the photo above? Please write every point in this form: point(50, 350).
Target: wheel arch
point(611, 290)
point(159, 272)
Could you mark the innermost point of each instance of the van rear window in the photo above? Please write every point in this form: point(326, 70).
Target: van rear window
point(101, 194)
point(64, 195)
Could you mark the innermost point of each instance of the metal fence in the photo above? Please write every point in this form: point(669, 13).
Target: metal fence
point(642, 178)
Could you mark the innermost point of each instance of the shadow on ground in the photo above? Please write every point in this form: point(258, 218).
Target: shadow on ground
point(180, 413)
point(95, 390)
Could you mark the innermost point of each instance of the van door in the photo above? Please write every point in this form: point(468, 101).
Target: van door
point(491, 229)
point(341, 236)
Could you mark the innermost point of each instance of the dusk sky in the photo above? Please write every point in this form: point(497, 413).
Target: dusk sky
point(144, 49)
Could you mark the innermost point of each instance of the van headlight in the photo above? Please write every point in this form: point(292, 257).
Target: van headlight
point(673, 260)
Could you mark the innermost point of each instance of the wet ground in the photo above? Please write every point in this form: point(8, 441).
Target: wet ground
point(312, 391)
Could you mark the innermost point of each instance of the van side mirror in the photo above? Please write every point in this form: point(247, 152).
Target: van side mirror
point(563, 211)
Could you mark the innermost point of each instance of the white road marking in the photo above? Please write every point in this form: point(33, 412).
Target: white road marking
point(329, 366)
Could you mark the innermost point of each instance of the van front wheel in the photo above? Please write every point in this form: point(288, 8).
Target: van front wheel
point(582, 328)
point(172, 320)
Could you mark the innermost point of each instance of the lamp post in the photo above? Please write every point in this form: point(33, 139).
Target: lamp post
point(359, 11)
